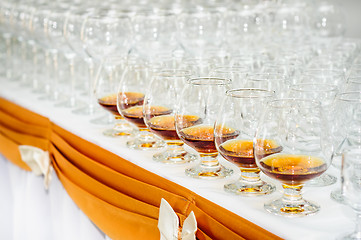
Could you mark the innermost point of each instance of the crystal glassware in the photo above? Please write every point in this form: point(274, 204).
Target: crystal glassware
point(300, 133)
point(106, 95)
point(163, 92)
point(347, 130)
point(238, 74)
point(107, 35)
point(196, 114)
point(131, 92)
point(326, 94)
point(240, 113)
point(269, 81)
point(351, 166)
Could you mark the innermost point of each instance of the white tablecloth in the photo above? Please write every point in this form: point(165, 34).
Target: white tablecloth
point(29, 212)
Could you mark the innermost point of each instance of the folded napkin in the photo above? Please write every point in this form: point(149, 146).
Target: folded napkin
point(38, 160)
point(168, 224)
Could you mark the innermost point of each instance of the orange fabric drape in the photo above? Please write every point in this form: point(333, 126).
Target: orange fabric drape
point(121, 198)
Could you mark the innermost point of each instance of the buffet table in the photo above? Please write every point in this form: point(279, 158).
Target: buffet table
point(101, 189)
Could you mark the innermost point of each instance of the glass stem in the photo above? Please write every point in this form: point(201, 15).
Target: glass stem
point(8, 56)
point(175, 146)
point(23, 53)
point(292, 192)
point(35, 83)
point(90, 65)
point(48, 72)
point(250, 174)
point(209, 160)
point(55, 93)
point(72, 81)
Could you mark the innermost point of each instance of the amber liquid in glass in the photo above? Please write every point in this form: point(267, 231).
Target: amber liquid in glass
point(130, 99)
point(135, 114)
point(240, 152)
point(109, 103)
point(201, 138)
point(164, 126)
point(292, 169)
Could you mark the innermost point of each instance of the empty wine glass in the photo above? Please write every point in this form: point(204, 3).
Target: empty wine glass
point(200, 30)
point(200, 102)
point(269, 81)
point(107, 35)
point(240, 111)
point(163, 92)
point(351, 174)
point(238, 74)
point(154, 32)
point(335, 77)
point(300, 133)
point(57, 22)
point(73, 36)
point(347, 133)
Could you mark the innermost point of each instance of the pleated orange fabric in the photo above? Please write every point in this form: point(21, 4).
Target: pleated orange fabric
point(10, 150)
point(121, 198)
point(115, 222)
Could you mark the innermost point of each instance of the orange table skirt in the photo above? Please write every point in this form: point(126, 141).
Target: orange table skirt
point(121, 198)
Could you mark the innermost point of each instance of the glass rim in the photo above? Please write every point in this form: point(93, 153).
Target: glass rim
point(352, 149)
point(290, 102)
point(233, 93)
point(308, 72)
point(356, 80)
point(265, 76)
point(199, 81)
point(174, 73)
point(232, 69)
point(107, 14)
point(321, 87)
point(349, 96)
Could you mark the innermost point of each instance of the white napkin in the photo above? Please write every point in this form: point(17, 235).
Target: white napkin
point(38, 160)
point(168, 224)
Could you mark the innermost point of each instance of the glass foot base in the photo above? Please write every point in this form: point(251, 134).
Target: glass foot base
point(322, 181)
point(170, 157)
point(85, 111)
point(103, 120)
point(351, 236)
point(337, 196)
point(116, 133)
point(146, 145)
point(70, 104)
point(53, 96)
point(208, 172)
point(299, 208)
point(250, 189)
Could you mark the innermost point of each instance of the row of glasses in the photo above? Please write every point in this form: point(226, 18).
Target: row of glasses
point(181, 109)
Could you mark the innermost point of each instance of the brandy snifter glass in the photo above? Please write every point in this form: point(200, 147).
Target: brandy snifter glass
point(240, 113)
point(163, 93)
point(105, 92)
point(326, 94)
point(196, 114)
point(299, 130)
point(132, 87)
